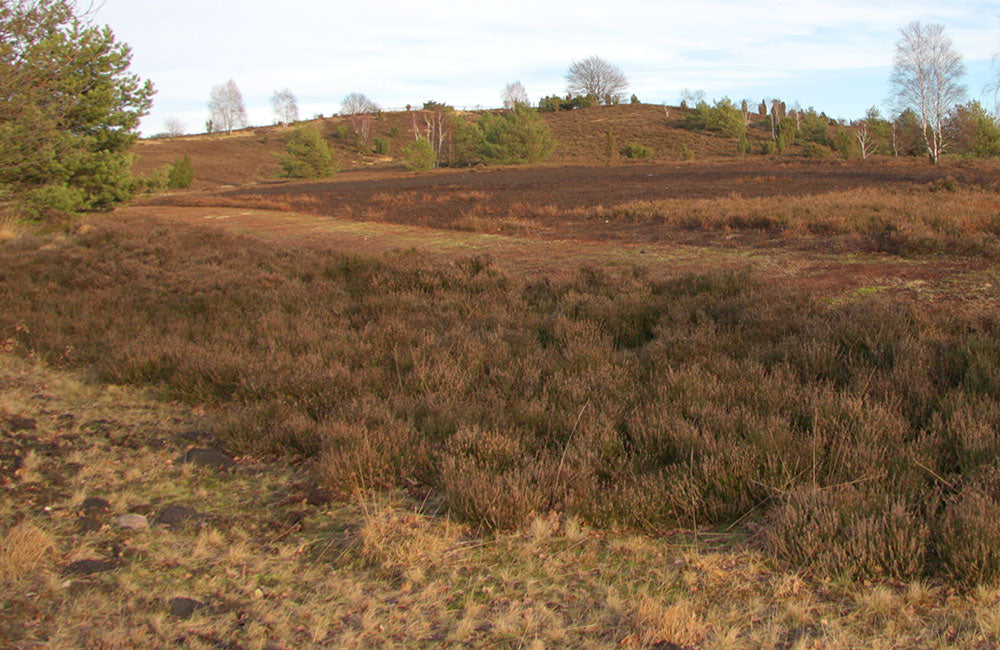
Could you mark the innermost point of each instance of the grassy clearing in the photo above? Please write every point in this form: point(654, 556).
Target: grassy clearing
point(855, 437)
point(271, 570)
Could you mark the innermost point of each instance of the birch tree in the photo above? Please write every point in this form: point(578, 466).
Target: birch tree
point(226, 109)
point(514, 95)
point(926, 77)
point(285, 107)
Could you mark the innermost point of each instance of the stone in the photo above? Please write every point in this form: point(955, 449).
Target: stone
point(89, 566)
point(95, 506)
point(184, 607)
point(207, 458)
point(86, 525)
point(132, 521)
point(177, 515)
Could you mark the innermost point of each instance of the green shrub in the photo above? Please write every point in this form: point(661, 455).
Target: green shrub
point(787, 130)
point(845, 144)
point(516, 136)
point(180, 174)
point(419, 155)
point(393, 131)
point(637, 151)
point(40, 201)
point(438, 106)
point(687, 153)
point(342, 132)
point(153, 183)
point(767, 147)
point(743, 145)
point(382, 146)
point(307, 155)
point(634, 99)
point(724, 117)
point(814, 150)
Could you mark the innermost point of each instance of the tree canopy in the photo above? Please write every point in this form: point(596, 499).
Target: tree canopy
point(69, 108)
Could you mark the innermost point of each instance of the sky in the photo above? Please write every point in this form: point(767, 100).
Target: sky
point(835, 55)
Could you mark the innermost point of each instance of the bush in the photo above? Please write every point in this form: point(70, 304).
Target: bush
point(634, 99)
point(180, 173)
point(687, 153)
point(743, 145)
point(419, 155)
point(307, 155)
point(767, 147)
point(724, 117)
point(393, 131)
point(516, 136)
point(63, 199)
point(382, 146)
point(342, 132)
point(814, 150)
point(637, 151)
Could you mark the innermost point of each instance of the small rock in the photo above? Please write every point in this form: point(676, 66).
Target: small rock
point(89, 567)
point(87, 525)
point(132, 520)
point(17, 423)
point(95, 506)
point(320, 496)
point(177, 515)
point(207, 458)
point(184, 607)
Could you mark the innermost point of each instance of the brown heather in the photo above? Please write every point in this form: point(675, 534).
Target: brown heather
point(856, 437)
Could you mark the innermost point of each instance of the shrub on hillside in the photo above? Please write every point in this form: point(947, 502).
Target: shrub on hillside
point(724, 117)
point(381, 146)
point(180, 173)
point(635, 150)
point(419, 155)
point(743, 145)
point(767, 147)
point(516, 136)
point(817, 151)
point(307, 154)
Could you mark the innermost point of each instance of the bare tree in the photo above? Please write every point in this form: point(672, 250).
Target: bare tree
point(514, 95)
point(173, 127)
point(926, 77)
point(285, 107)
point(226, 109)
point(596, 77)
point(691, 98)
point(357, 103)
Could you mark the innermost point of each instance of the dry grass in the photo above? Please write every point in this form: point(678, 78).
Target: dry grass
point(23, 548)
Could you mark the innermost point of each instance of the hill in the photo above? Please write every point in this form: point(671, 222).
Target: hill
point(248, 156)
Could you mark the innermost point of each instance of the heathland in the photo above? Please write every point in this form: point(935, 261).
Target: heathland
point(697, 400)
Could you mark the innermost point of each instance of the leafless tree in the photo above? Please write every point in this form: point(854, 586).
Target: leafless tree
point(926, 77)
point(514, 95)
point(173, 127)
point(691, 98)
point(285, 107)
point(226, 109)
point(357, 103)
point(362, 125)
point(865, 139)
point(596, 77)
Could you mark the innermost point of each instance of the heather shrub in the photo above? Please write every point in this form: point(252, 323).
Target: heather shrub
point(858, 436)
point(381, 146)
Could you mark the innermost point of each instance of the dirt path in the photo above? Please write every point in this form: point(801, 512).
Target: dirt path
point(953, 281)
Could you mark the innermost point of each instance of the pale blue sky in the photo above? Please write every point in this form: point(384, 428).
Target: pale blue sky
point(834, 55)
